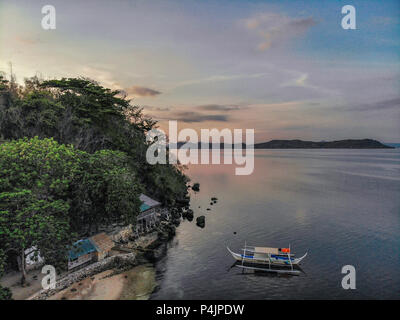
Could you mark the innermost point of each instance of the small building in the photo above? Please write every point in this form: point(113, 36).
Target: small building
point(81, 253)
point(103, 244)
point(148, 212)
point(88, 250)
point(148, 204)
point(33, 258)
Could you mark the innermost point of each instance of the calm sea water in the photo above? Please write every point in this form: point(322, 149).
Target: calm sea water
point(341, 206)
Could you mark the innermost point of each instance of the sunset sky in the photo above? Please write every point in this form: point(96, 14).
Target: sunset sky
point(285, 68)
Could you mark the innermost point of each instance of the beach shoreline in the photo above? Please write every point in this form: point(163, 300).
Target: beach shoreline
point(135, 284)
point(127, 274)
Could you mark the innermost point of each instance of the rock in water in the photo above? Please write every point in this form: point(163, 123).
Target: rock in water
point(196, 186)
point(176, 222)
point(201, 221)
point(188, 214)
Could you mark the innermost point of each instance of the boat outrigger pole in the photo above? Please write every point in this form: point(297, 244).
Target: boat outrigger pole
point(244, 254)
point(290, 260)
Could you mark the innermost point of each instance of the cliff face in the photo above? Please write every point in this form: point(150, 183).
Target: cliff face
point(339, 144)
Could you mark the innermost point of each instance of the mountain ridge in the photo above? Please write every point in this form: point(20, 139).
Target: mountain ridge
point(300, 144)
point(337, 144)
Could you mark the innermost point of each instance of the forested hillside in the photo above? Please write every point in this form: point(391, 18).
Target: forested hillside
point(72, 157)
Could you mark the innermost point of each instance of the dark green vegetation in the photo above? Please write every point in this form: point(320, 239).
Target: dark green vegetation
point(72, 157)
point(5, 293)
point(340, 144)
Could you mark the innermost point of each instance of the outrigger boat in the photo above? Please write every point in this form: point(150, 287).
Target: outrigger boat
point(263, 258)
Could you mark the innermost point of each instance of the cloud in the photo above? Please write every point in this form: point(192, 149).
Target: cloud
point(104, 77)
point(299, 81)
point(222, 78)
point(160, 109)
point(188, 116)
point(142, 91)
point(379, 105)
point(27, 40)
point(219, 107)
point(295, 127)
point(276, 29)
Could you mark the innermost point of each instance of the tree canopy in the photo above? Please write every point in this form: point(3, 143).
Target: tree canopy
point(50, 191)
point(72, 157)
point(83, 113)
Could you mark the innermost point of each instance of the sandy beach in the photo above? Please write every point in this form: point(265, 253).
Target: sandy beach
point(135, 284)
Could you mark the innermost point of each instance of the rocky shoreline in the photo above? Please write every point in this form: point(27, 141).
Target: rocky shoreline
point(136, 252)
point(114, 262)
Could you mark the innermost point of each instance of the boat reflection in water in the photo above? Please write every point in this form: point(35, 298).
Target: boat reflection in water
point(265, 271)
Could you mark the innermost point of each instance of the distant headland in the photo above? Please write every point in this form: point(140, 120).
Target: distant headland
point(301, 144)
point(339, 144)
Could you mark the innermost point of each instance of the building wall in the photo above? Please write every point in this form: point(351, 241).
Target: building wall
point(147, 213)
point(81, 260)
point(122, 234)
point(100, 255)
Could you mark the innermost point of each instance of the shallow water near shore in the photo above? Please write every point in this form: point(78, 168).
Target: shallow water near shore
point(134, 284)
point(340, 206)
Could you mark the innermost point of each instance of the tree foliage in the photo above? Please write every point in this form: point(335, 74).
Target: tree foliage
point(72, 157)
point(5, 293)
point(35, 181)
point(83, 113)
point(107, 191)
point(50, 191)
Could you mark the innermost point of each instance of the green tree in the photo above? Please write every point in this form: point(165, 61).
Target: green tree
point(107, 191)
point(167, 183)
point(35, 181)
point(5, 293)
point(50, 188)
point(27, 223)
point(81, 112)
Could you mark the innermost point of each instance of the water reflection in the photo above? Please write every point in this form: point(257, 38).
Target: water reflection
point(342, 206)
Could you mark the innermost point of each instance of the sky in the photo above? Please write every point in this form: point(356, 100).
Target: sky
point(286, 69)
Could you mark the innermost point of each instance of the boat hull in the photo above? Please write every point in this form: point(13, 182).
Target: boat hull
point(273, 259)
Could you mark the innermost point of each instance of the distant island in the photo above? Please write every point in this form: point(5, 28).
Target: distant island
point(393, 144)
point(339, 144)
point(300, 144)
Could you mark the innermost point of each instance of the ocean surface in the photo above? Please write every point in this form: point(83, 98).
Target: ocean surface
point(340, 206)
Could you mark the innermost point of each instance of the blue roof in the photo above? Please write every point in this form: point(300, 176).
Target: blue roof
point(147, 203)
point(144, 207)
point(80, 248)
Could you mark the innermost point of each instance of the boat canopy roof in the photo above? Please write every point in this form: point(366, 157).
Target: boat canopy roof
point(266, 250)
